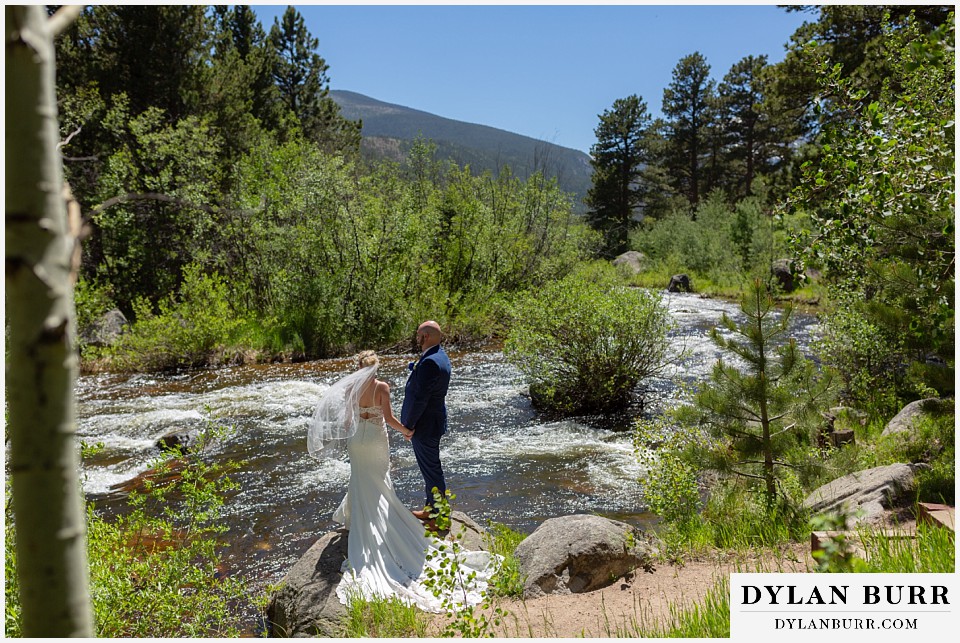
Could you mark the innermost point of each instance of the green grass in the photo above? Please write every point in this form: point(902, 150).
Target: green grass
point(707, 618)
point(383, 618)
point(503, 541)
point(733, 519)
point(931, 552)
point(154, 571)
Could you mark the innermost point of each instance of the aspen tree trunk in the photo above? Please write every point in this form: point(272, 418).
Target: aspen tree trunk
point(42, 362)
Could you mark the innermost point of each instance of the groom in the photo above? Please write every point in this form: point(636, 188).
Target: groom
point(424, 410)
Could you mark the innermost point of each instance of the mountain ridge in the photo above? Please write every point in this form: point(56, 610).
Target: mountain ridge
point(390, 129)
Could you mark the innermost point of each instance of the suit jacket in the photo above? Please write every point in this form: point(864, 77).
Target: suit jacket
point(424, 407)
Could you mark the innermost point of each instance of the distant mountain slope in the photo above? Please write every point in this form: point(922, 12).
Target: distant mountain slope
point(389, 130)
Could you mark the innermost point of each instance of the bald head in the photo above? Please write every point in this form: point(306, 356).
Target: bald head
point(428, 335)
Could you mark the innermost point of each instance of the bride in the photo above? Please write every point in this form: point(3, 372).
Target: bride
point(388, 551)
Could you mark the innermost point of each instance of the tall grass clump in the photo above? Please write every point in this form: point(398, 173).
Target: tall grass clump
point(870, 550)
point(706, 619)
point(383, 618)
point(503, 541)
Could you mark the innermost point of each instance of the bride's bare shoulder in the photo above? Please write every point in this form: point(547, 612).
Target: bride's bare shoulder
point(382, 392)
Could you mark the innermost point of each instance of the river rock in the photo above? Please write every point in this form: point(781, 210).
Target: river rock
point(679, 283)
point(174, 440)
point(631, 260)
point(906, 420)
point(871, 493)
point(783, 272)
point(106, 330)
point(307, 602)
point(580, 553)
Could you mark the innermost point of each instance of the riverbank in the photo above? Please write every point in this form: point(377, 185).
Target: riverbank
point(643, 601)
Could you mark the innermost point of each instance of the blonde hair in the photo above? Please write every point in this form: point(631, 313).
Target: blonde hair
point(367, 358)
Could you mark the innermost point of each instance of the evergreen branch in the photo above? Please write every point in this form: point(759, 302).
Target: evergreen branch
point(784, 430)
point(776, 462)
point(747, 475)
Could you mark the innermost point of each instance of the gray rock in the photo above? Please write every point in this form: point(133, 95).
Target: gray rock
point(631, 260)
point(307, 603)
point(870, 493)
point(474, 537)
point(106, 330)
point(182, 440)
point(680, 283)
point(906, 420)
point(783, 271)
point(580, 553)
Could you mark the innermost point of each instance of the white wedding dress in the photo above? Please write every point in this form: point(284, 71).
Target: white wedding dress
point(386, 546)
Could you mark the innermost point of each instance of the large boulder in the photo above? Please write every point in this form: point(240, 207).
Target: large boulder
point(106, 330)
point(307, 604)
point(680, 283)
point(784, 273)
point(632, 261)
point(866, 496)
point(580, 553)
point(906, 420)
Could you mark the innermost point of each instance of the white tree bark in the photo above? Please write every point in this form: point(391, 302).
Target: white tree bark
point(42, 361)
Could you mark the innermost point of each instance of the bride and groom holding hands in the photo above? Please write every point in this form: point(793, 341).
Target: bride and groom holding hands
point(387, 545)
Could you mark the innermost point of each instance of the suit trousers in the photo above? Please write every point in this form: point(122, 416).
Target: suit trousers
point(426, 448)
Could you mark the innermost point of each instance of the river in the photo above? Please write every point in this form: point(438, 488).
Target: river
point(503, 461)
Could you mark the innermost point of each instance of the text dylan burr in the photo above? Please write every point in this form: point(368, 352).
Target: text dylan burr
point(838, 594)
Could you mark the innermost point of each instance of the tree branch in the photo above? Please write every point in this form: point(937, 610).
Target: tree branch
point(63, 18)
point(157, 196)
point(777, 462)
point(747, 475)
point(67, 140)
point(784, 430)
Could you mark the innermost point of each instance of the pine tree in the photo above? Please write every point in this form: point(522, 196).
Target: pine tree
point(759, 411)
point(618, 158)
point(689, 111)
point(756, 140)
point(301, 76)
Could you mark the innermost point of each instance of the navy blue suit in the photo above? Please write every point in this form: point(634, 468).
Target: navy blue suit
point(425, 411)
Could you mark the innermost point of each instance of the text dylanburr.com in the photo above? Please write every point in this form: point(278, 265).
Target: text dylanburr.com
point(843, 607)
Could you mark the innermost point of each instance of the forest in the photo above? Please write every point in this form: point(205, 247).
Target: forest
point(227, 216)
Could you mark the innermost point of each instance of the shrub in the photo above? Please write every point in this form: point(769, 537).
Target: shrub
point(866, 357)
point(185, 331)
point(154, 571)
point(670, 487)
point(585, 342)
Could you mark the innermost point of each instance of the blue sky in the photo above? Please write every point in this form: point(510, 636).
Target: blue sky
point(544, 71)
